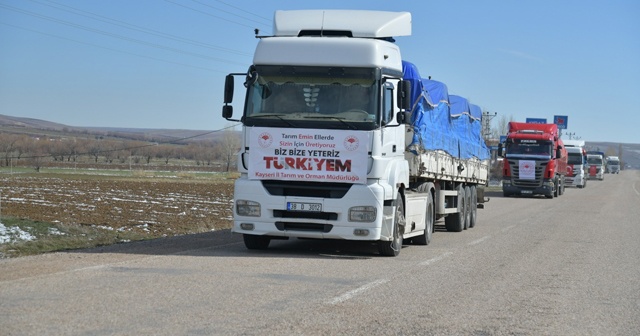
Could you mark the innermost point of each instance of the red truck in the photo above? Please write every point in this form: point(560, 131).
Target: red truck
point(535, 160)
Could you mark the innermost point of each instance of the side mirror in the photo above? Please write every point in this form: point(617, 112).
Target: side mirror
point(403, 117)
point(227, 111)
point(500, 150)
point(559, 152)
point(404, 94)
point(228, 89)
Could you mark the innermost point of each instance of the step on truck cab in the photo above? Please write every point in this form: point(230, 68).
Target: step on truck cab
point(576, 163)
point(333, 132)
point(535, 160)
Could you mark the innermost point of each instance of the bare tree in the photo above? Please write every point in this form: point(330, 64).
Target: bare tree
point(229, 147)
point(8, 146)
point(502, 127)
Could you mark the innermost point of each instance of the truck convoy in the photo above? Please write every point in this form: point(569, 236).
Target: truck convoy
point(342, 139)
point(535, 160)
point(596, 165)
point(576, 163)
point(613, 165)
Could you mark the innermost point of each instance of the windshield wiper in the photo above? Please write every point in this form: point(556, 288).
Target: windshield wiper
point(279, 116)
point(334, 118)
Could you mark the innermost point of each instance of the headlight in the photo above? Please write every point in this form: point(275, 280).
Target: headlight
point(247, 208)
point(362, 214)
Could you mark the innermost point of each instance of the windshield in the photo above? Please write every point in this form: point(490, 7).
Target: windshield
point(535, 148)
point(309, 96)
point(575, 158)
point(614, 162)
point(594, 160)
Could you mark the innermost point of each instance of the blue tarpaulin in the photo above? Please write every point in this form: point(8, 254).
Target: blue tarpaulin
point(441, 121)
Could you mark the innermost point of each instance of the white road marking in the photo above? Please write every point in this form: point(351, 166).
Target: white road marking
point(433, 260)
point(508, 228)
point(478, 241)
point(350, 294)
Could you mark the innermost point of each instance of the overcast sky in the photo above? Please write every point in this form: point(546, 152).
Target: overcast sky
point(161, 63)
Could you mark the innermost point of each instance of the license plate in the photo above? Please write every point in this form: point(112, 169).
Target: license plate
point(527, 191)
point(299, 206)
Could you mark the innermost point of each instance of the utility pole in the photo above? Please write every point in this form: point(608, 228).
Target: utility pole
point(486, 123)
point(572, 136)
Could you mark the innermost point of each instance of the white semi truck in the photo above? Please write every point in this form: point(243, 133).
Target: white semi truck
point(577, 163)
point(613, 165)
point(342, 139)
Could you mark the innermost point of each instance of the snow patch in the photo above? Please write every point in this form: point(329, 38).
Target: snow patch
point(13, 234)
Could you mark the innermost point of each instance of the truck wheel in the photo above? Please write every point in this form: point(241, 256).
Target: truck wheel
point(425, 238)
point(392, 248)
point(455, 222)
point(253, 242)
point(555, 187)
point(473, 205)
point(561, 187)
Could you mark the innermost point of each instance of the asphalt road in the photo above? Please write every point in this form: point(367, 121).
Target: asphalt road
point(532, 266)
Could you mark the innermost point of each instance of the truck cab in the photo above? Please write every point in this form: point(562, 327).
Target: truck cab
point(613, 165)
point(596, 165)
point(576, 163)
point(535, 160)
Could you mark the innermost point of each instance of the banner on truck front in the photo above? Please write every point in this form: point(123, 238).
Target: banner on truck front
point(308, 155)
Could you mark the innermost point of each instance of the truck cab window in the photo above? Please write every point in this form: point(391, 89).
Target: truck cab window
point(387, 104)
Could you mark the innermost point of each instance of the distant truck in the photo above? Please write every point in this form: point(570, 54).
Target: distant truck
point(596, 165)
point(535, 160)
point(576, 163)
point(613, 165)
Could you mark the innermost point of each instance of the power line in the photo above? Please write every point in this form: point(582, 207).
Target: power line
point(242, 10)
point(209, 14)
point(126, 25)
point(111, 49)
point(236, 15)
point(97, 31)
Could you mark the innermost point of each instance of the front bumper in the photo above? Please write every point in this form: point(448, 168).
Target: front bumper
point(545, 189)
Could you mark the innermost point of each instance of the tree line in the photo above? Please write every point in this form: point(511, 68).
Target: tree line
point(39, 150)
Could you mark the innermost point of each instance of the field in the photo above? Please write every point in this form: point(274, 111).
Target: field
point(146, 205)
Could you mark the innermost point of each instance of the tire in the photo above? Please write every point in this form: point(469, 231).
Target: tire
point(561, 187)
point(555, 187)
point(473, 205)
point(455, 222)
point(253, 242)
point(425, 238)
point(392, 248)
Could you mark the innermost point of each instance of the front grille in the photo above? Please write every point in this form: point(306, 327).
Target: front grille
point(539, 173)
point(305, 214)
point(306, 189)
point(286, 226)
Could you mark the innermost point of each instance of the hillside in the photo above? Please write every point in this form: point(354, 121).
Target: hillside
point(19, 125)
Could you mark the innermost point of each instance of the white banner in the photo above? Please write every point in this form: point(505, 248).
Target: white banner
point(527, 170)
point(308, 155)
